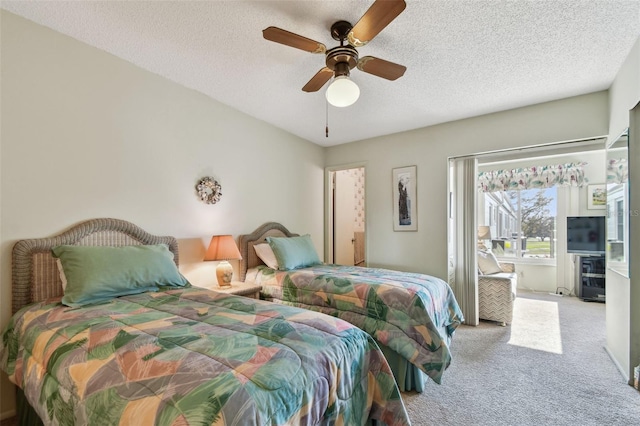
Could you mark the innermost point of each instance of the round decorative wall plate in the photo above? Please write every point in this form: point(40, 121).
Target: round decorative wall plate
point(209, 190)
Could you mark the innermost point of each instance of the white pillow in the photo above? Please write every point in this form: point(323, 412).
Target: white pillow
point(63, 277)
point(265, 253)
point(488, 263)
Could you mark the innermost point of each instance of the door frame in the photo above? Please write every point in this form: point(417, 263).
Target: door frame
point(328, 202)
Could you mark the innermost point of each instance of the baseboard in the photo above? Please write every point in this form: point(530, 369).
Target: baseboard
point(7, 414)
point(625, 376)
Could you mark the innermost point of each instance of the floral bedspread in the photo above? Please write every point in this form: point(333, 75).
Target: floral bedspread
point(413, 314)
point(196, 357)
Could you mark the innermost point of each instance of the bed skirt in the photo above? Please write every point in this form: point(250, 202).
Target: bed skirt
point(25, 414)
point(408, 376)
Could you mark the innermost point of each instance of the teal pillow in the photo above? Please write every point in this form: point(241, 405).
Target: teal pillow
point(98, 273)
point(294, 252)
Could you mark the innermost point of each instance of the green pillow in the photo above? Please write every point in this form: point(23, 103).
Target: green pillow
point(98, 273)
point(294, 252)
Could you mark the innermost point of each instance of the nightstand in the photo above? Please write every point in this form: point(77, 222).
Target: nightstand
point(240, 288)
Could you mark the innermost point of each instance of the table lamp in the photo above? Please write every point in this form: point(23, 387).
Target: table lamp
point(223, 248)
point(484, 233)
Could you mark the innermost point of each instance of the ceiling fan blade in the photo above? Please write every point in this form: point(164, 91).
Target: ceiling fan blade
point(381, 68)
point(318, 80)
point(294, 40)
point(379, 15)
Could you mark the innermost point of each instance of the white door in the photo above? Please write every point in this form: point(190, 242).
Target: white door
point(344, 218)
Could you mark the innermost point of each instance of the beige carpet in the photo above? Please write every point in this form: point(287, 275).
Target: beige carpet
point(547, 368)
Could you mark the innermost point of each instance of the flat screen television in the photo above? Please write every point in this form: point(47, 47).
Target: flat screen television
point(586, 234)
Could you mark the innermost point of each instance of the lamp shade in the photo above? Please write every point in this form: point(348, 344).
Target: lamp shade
point(484, 233)
point(342, 92)
point(222, 247)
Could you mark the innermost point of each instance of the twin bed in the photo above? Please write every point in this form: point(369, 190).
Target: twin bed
point(412, 316)
point(167, 353)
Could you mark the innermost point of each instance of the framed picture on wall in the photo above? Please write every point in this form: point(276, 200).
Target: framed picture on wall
point(596, 197)
point(405, 202)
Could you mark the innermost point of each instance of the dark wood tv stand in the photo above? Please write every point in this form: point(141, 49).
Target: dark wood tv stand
point(590, 277)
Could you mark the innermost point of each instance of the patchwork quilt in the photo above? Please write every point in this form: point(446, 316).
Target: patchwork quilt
point(413, 314)
point(190, 356)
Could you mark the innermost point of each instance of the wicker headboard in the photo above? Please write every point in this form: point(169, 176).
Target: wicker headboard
point(35, 273)
point(246, 243)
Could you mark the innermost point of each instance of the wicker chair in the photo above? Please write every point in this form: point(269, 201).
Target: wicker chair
point(496, 293)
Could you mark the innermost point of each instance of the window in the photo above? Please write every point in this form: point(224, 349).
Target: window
point(525, 222)
point(619, 220)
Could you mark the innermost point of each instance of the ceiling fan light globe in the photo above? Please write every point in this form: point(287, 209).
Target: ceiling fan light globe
point(342, 92)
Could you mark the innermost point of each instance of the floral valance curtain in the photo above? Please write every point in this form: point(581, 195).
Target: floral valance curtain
point(617, 170)
point(571, 174)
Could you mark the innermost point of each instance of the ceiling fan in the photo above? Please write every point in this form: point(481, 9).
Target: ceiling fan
point(340, 60)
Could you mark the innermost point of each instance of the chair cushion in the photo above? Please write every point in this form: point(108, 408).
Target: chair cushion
point(504, 275)
point(488, 263)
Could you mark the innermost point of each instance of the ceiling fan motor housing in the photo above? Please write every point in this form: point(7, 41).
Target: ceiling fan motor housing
point(341, 59)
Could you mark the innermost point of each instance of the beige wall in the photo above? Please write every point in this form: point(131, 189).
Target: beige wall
point(623, 294)
point(624, 93)
point(429, 148)
point(87, 135)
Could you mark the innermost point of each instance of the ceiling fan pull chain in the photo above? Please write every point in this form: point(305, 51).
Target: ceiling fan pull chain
point(326, 127)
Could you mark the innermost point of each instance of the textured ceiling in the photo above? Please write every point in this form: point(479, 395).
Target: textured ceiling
point(464, 58)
